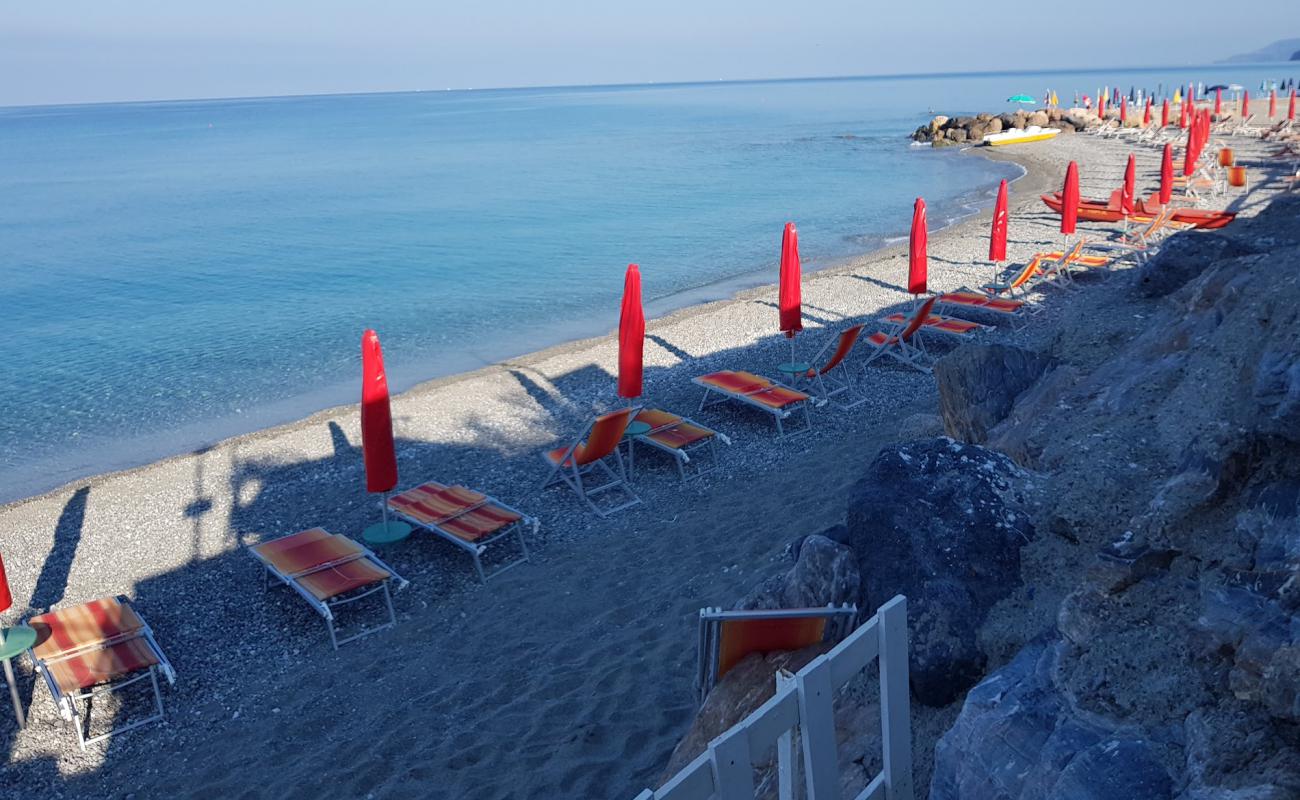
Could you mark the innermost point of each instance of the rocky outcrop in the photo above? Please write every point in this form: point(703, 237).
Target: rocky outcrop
point(1185, 257)
point(824, 573)
point(941, 522)
point(944, 131)
point(979, 384)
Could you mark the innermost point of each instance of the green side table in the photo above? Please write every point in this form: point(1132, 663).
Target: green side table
point(794, 370)
point(635, 428)
point(12, 642)
point(382, 533)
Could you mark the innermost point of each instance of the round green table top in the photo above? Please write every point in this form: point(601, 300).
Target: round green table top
point(386, 533)
point(636, 428)
point(794, 367)
point(17, 640)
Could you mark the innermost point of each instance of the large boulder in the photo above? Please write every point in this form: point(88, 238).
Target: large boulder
point(824, 573)
point(941, 522)
point(1184, 257)
point(1039, 118)
point(1018, 738)
point(979, 384)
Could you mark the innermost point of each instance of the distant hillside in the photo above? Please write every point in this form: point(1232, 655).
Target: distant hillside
point(1283, 50)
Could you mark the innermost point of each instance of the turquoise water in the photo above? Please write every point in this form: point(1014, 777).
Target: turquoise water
point(178, 272)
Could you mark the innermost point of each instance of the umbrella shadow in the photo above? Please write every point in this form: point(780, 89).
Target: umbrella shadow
point(53, 580)
point(669, 346)
point(810, 317)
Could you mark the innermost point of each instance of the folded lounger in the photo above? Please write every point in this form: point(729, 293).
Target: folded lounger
point(726, 637)
point(758, 392)
point(901, 343)
point(468, 519)
point(680, 437)
point(97, 647)
point(328, 570)
point(597, 449)
point(833, 377)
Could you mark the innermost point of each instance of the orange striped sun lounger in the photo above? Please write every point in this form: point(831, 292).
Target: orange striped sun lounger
point(948, 326)
point(93, 648)
point(833, 376)
point(901, 343)
point(757, 392)
point(597, 451)
point(329, 571)
point(468, 519)
point(680, 437)
point(726, 637)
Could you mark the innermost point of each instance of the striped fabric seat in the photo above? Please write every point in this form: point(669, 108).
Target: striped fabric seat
point(754, 387)
point(102, 664)
point(457, 510)
point(998, 305)
point(957, 327)
point(343, 578)
point(83, 626)
point(670, 430)
point(880, 339)
point(308, 551)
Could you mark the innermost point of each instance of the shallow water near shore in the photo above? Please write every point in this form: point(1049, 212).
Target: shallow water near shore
point(181, 272)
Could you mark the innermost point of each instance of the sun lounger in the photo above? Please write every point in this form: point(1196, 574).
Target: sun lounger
point(680, 437)
point(833, 377)
point(951, 327)
point(594, 451)
point(328, 571)
point(726, 637)
point(468, 519)
point(900, 341)
point(93, 648)
point(757, 392)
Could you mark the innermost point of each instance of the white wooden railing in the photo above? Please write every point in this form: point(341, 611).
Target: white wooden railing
point(804, 701)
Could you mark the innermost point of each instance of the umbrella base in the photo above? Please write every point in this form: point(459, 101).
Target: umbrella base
point(386, 532)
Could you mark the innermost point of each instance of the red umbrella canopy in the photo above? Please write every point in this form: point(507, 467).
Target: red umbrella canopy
point(1189, 155)
point(1290, 110)
point(917, 259)
point(1167, 175)
point(790, 300)
point(1146, 114)
point(1245, 104)
point(631, 335)
point(6, 599)
point(1070, 199)
point(998, 234)
point(1101, 106)
point(1272, 103)
point(1164, 113)
point(376, 418)
point(1218, 101)
point(1123, 111)
point(1130, 186)
point(1182, 114)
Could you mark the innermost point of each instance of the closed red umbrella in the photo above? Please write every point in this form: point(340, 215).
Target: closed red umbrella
point(1164, 113)
point(790, 302)
point(1167, 175)
point(1101, 106)
point(1189, 155)
point(1245, 104)
point(7, 600)
point(1130, 186)
point(1290, 110)
point(1272, 103)
point(631, 336)
point(917, 259)
point(1182, 114)
point(1070, 199)
point(1123, 112)
point(1218, 101)
point(1146, 114)
point(377, 448)
point(998, 234)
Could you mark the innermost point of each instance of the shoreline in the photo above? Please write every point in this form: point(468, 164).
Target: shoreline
point(662, 311)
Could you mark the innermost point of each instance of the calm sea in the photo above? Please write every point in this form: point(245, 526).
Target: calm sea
point(174, 273)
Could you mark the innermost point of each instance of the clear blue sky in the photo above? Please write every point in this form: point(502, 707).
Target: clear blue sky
point(62, 51)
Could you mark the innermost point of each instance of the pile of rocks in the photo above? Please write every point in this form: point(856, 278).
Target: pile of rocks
point(945, 131)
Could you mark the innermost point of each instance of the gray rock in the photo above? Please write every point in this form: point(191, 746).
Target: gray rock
point(979, 384)
point(942, 523)
point(824, 573)
point(1017, 738)
point(956, 134)
point(1262, 643)
point(994, 125)
point(1123, 563)
point(1039, 118)
point(1276, 390)
point(1184, 257)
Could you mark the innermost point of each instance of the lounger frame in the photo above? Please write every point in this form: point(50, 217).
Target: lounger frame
point(840, 622)
point(477, 549)
point(778, 414)
point(567, 470)
point(681, 455)
point(326, 607)
point(67, 704)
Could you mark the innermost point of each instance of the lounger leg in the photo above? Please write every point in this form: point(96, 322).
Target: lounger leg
point(157, 693)
point(388, 600)
point(334, 640)
point(478, 565)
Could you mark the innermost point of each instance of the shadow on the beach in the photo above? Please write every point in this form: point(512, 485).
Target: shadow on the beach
point(809, 317)
point(669, 346)
point(53, 580)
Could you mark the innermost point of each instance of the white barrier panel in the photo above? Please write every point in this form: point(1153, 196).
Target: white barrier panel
point(805, 701)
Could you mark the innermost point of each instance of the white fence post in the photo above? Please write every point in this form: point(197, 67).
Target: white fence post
point(733, 772)
point(817, 730)
point(895, 722)
point(787, 769)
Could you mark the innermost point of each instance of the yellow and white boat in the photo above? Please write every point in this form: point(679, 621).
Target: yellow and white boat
point(1018, 136)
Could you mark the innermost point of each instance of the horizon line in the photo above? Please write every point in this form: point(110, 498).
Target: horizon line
point(652, 84)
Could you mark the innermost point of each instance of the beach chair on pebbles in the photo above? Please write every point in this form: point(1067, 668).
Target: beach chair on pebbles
point(681, 438)
point(833, 377)
point(755, 391)
point(726, 637)
point(596, 453)
point(950, 327)
point(93, 648)
point(468, 519)
point(901, 343)
point(328, 571)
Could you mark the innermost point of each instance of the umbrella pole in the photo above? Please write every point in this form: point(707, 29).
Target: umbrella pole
point(384, 507)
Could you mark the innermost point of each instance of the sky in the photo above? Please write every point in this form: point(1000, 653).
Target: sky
point(73, 51)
